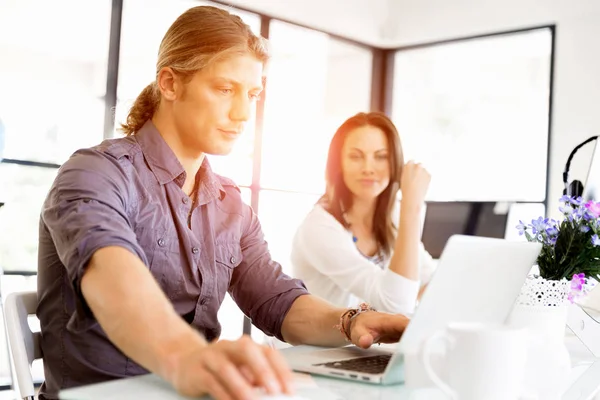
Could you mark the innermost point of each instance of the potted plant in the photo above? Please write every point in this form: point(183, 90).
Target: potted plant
point(570, 257)
point(567, 268)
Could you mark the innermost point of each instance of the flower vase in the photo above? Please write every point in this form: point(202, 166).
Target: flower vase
point(542, 308)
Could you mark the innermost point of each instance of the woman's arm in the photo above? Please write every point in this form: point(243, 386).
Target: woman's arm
point(407, 248)
point(405, 261)
point(326, 246)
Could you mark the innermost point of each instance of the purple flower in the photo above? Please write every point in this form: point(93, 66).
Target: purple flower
point(578, 281)
point(578, 287)
point(565, 199)
point(593, 208)
point(579, 213)
point(551, 230)
point(539, 225)
point(584, 228)
point(521, 227)
point(595, 240)
point(567, 210)
point(576, 201)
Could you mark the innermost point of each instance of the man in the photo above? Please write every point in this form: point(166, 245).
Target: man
point(140, 240)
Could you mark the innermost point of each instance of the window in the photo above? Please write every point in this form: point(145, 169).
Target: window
point(53, 81)
point(314, 83)
point(144, 24)
point(313, 86)
point(280, 215)
point(51, 104)
point(23, 189)
point(476, 113)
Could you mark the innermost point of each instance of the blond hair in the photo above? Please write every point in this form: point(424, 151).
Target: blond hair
point(199, 37)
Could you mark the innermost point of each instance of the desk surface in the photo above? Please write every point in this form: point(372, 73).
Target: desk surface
point(308, 387)
point(585, 379)
point(151, 387)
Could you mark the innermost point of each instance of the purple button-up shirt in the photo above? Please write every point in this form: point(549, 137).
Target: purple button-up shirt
point(128, 192)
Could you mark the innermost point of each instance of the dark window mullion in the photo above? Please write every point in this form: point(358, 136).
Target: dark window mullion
point(112, 74)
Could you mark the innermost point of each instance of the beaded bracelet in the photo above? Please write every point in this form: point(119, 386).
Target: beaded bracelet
point(347, 317)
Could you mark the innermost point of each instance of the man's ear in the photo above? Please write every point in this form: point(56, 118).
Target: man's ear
point(167, 83)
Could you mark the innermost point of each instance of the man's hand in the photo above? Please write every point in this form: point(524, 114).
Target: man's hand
point(230, 370)
point(375, 327)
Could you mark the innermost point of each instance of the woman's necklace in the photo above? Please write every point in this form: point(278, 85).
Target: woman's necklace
point(349, 225)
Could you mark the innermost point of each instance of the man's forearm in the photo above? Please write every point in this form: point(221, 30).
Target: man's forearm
point(312, 320)
point(134, 312)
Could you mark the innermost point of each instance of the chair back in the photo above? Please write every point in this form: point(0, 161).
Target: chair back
point(24, 344)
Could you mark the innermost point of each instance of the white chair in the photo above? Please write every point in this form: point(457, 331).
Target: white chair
point(24, 344)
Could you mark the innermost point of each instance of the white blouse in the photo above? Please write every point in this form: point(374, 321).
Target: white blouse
point(325, 257)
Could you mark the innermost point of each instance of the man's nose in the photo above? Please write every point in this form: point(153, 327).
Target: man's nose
point(241, 109)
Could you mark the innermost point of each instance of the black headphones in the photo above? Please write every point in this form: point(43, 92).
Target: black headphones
point(575, 188)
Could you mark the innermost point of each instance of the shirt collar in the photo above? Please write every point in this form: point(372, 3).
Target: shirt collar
point(209, 186)
point(166, 167)
point(162, 161)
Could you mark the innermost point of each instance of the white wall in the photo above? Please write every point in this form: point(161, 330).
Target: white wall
point(576, 109)
point(360, 20)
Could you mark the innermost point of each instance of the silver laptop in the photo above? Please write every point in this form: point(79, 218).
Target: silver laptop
point(477, 280)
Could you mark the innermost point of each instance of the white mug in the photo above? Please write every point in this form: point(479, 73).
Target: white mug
point(481, 362)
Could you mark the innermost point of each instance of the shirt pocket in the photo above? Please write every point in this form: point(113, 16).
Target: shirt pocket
point(228, 255)
point(164, 258)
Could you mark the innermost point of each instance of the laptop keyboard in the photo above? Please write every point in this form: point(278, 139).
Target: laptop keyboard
point(369, 365)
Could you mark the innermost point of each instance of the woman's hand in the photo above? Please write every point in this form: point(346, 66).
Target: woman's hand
point(414, 184)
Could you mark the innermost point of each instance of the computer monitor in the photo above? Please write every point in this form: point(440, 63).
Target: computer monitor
point(591, 187)
point(444, 219)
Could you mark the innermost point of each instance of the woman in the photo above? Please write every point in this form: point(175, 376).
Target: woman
point(356, 243)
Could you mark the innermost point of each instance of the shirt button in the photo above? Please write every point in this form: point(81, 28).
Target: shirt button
point(185, 199)
point(161, 242)
point(203, 301)
point(232, 260)
point(195, 250)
